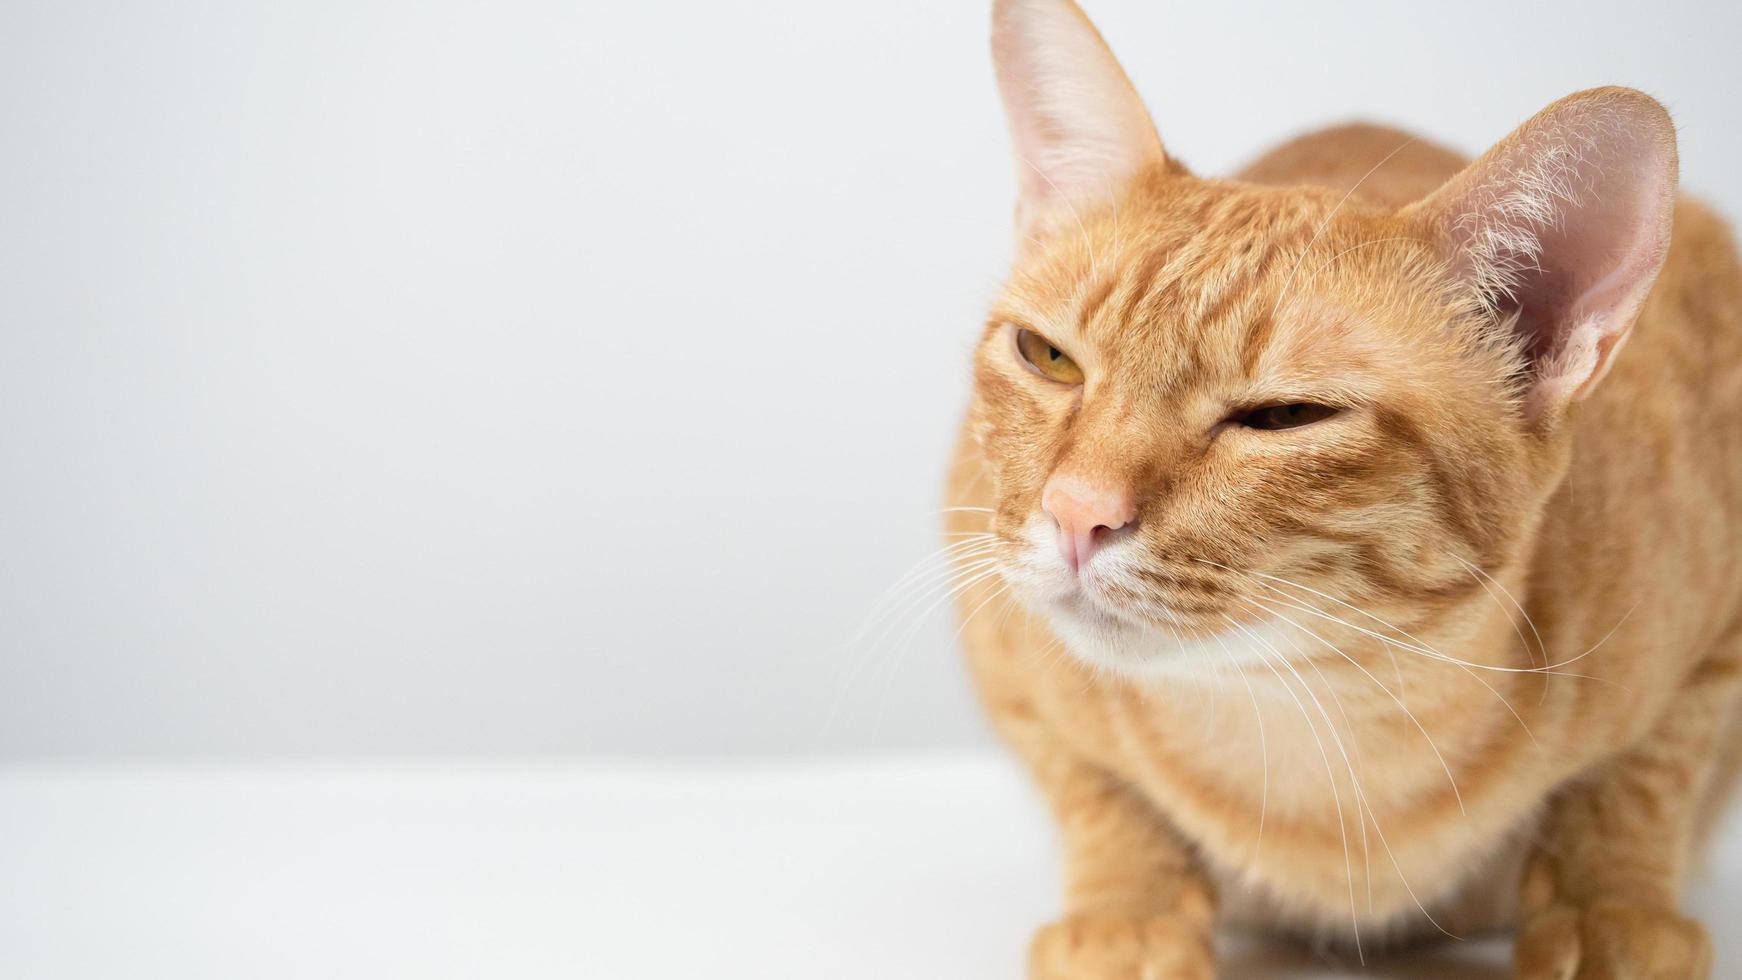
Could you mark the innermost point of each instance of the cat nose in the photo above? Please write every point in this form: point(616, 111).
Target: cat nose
point(1087, 514)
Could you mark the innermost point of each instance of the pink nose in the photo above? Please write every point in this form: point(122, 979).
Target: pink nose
point(1087, 514)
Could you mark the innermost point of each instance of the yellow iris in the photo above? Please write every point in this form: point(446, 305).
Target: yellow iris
point(1048, 360)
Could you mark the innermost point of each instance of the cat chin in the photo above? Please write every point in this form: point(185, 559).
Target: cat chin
point(1146, 654)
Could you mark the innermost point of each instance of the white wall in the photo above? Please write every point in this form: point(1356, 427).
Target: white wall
point(542, 377)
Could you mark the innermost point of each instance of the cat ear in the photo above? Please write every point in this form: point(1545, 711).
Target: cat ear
point(1561, 230)
point(1078, 127)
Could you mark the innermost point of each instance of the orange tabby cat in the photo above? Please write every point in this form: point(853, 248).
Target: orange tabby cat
point(1355, 577)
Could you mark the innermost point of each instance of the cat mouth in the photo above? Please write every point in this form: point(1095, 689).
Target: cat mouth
point(1087, 608)
point(1082, 606)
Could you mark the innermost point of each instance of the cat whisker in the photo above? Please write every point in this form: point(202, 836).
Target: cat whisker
point(1088, 243)
point(1264, 753)
point(1217, 668)
point(938, 563)
point(1484, 579)
point(1396, 673)
point(1053, 654)
point(1593, 647)
point(1420, 647)
point(1330, 774)
point(1325, 223)
point(1450, 779)
point(1363, 804)
point(1416, 646)
point(1352, 766)
point(914, 588)
point(1197, 682)
point(1540, 646)
point(920, 572)
point(1003, 588)
point(901, 651)
point(1356, 248)
point(1427, 651)
point(1466, 667)
point(982, 573)
point(1113, 204)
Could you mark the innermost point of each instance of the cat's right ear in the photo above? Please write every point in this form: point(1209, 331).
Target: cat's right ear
point(1078, 128)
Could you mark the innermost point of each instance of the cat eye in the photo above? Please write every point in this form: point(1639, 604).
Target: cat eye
point(1048, 361)
point(1289, 416)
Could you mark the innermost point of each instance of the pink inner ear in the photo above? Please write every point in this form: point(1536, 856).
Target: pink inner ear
point(1596, 262)
point(1079, 130)
point(1562, 229)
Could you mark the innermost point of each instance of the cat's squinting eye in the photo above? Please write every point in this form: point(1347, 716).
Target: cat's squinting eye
point(1289, 416)
point(1047, 361)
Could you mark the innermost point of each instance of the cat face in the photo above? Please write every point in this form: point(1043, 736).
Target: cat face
point(1221, 415)
point(1207, 396)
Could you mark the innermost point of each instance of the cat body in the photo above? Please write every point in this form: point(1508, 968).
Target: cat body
point(1460, 651)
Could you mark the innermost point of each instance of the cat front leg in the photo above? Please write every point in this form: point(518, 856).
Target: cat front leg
point(1137, 906)
point(1601, 895)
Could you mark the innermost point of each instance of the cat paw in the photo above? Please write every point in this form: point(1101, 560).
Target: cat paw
point(1612, 940)
point(1087, 947)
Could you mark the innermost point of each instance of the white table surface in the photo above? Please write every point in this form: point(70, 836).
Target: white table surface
point(884, 870)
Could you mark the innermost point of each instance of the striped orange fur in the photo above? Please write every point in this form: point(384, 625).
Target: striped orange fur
point(1466, 655)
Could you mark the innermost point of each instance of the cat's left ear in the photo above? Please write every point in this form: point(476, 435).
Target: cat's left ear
point(1561, 229)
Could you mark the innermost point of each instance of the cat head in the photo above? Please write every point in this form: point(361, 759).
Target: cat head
point(1209, 407)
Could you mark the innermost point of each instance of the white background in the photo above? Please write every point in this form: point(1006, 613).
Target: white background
point(550, 378)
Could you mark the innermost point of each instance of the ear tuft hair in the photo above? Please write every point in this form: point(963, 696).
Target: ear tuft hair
point(1502, 235)
point(1560, 230)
